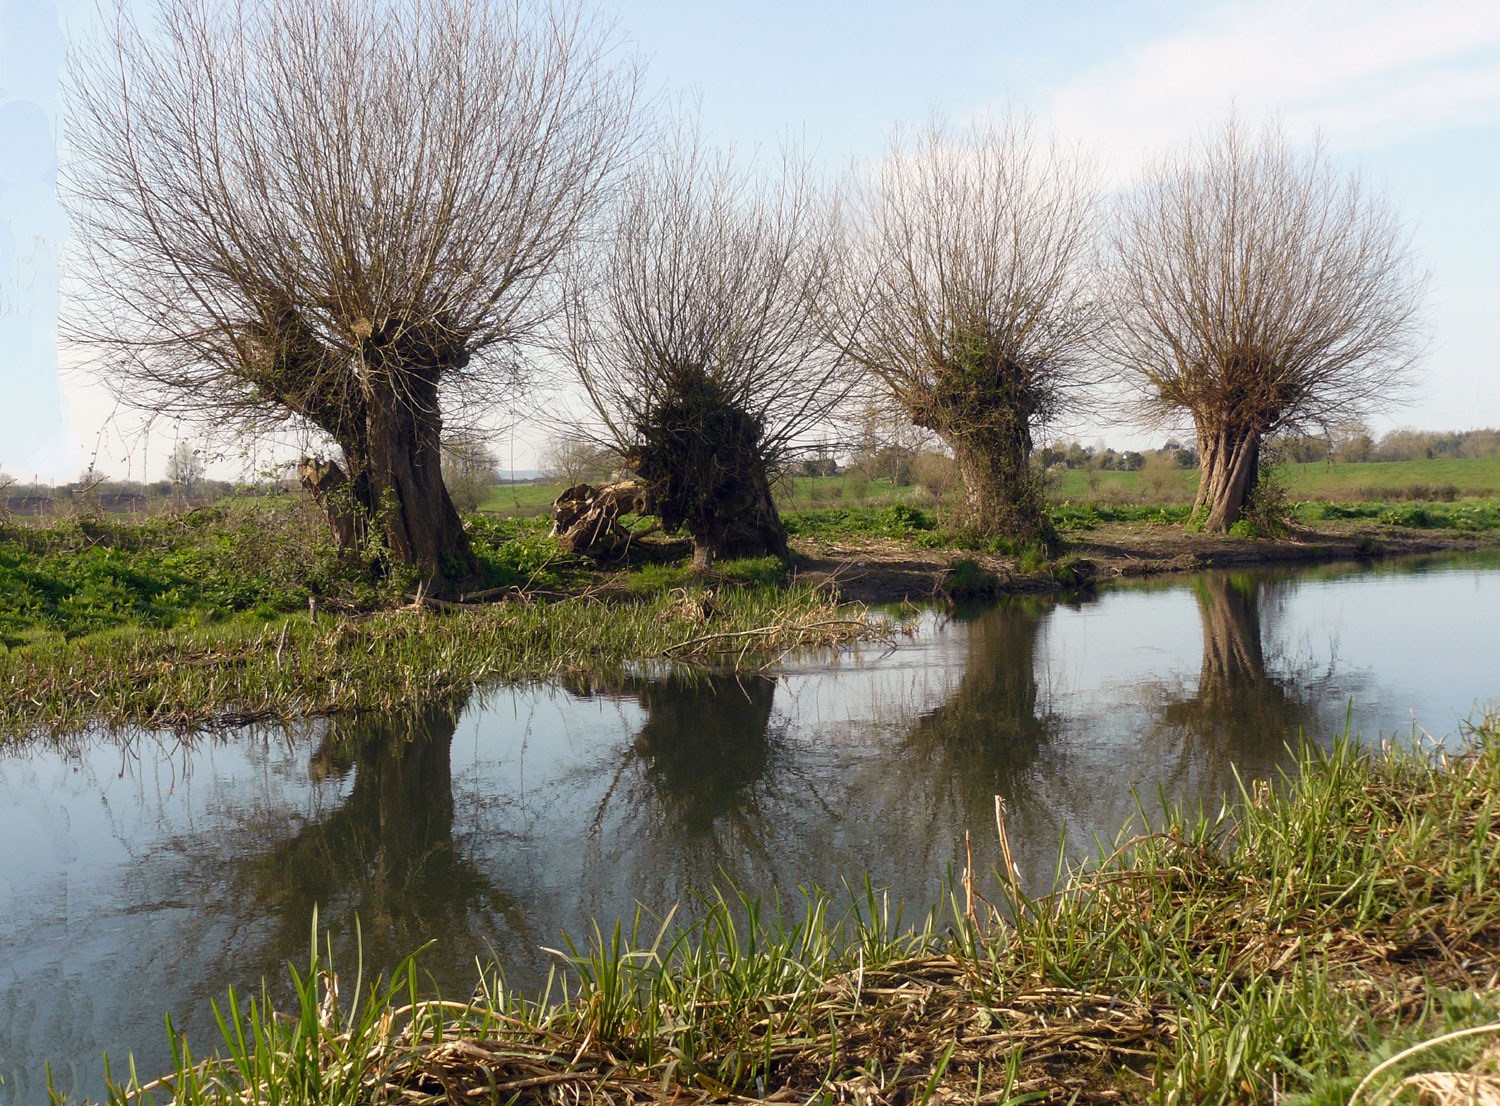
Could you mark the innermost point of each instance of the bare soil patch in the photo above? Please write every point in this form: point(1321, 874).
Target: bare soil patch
point(887, 570)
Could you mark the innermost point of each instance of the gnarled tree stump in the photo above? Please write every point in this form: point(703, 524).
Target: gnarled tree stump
point(586, 517)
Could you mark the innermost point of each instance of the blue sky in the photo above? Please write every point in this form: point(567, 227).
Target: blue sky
point(1410, 92)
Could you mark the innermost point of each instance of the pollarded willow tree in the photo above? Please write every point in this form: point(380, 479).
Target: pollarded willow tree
point(692, 332)
point(964, 300)
point(339, 214)
point(1257, 290)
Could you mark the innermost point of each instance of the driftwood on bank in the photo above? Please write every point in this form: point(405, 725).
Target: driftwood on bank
point(586, 517)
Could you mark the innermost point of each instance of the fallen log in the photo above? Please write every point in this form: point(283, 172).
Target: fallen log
point(586, 517)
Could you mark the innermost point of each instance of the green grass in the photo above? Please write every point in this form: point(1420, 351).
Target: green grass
point(1274, 951)
point(1391, 480)
point(167, 622)
point(1473, 515)
point(246, 668)
point(76, 578)
point(521, 499)
point(897, 520)
point(794, 494)
point(1479, 476)
point(849, 488)
point(204, 619)
point(1082, 485)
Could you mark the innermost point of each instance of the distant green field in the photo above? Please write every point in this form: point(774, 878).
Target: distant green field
point(799, 492)
point(521, 499)
point(1378, 480)
point(844, 490)
point(1413, 479)
point(1477, 476)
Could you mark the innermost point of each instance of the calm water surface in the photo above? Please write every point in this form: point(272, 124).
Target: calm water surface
point(143, 877)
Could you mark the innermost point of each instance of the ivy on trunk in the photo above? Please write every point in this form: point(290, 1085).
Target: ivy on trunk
point(701, 458)
point(983, 403)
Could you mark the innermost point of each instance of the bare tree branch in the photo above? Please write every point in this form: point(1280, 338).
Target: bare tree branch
point(693, 333)
point(339, 213)
point(1259, 290)
point(965, 301)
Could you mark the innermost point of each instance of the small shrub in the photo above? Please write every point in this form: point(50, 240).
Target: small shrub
point(1414, 515)
point(900, 519)
point(967, 579)
point(1031, 560)
point(1267, 508)
point(936, 473)
point(1076, 516)
point(1161, 478)
point(856, 485)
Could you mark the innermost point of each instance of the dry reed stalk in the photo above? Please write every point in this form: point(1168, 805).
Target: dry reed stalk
point(1010, 863)
point(968, 878)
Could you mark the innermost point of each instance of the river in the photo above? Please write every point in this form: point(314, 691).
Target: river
point(145, 875)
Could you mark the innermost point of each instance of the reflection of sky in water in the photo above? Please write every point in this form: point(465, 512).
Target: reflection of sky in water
point(148, 877)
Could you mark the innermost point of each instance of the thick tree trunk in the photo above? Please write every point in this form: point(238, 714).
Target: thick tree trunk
point(412, 507)
point(744, 523)
point(1001, 495)
point(1228, 466)
point(382, 408)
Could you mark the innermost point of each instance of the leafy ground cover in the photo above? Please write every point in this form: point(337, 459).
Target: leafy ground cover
point(1334, 938)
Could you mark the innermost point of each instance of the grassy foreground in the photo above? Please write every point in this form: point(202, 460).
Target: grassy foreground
point(1281, 951)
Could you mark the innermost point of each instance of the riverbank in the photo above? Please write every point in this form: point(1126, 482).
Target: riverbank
point(243, 670)
point(236, 615)
point(1280, 951)
point(878, 570)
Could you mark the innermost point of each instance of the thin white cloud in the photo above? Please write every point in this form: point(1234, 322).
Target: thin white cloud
point(1365, 73)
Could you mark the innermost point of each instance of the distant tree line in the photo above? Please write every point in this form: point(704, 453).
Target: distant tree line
point(1355, 445)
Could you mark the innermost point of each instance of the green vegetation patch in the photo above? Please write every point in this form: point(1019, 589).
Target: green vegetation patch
point(1473, 516)
point(79, 578)
point(896, 520)
point(1274, 952)
point(246, 668)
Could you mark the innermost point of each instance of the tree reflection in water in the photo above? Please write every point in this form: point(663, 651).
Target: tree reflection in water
point(941, 776)
point(387, 854)
point(699, 794)
point(706, 745)
point(989, 731)
point(1241, 712)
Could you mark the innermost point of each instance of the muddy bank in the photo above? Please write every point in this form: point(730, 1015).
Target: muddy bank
point(885, 570)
